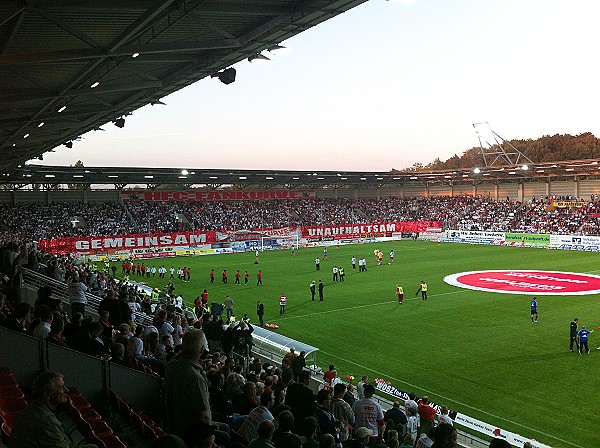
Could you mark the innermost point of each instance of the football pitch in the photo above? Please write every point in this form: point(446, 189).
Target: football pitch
point(476, 352)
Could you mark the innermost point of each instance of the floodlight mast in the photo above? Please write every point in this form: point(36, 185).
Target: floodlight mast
point(497, 149)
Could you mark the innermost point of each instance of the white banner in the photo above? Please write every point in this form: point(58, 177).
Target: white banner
point(475, 236)
point(493, 431)
point(462, 419)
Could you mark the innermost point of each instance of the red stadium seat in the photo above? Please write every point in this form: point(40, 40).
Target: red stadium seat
point(96, 428)
point(110, 441)
point(11, 392)
point(7, 378)
point(73, 392)
point(5, 433)
point(90, 414)
point(10, 409)
point(79, 402)
point(149, 433)
point(137, 423)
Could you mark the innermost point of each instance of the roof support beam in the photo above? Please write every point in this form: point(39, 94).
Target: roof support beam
point(33, 96)
point(81, 55)
point(12, 26)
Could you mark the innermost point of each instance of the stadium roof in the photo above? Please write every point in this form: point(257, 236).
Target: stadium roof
point(48, 177)
point(70, 66)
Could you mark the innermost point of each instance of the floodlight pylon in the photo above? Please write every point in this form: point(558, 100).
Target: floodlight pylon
point(495, 150)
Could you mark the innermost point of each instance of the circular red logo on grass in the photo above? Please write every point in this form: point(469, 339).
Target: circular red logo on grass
point(527, 282)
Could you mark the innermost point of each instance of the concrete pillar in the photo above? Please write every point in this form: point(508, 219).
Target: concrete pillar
point(520, 192)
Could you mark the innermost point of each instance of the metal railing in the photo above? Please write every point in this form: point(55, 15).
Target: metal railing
point(60, 291)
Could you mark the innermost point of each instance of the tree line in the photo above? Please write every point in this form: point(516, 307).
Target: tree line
point(549, 148)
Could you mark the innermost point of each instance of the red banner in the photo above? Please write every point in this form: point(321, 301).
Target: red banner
point(215, 195)
point(374, 229)
point(104, 244)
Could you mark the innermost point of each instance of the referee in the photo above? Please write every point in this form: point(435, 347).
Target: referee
point(573, 328)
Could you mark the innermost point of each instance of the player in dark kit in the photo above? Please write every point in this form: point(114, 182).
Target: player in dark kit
point(534, 311)
point(573, 331)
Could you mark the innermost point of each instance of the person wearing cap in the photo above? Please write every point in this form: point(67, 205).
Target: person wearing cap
point(369, 413)
point(362, 436)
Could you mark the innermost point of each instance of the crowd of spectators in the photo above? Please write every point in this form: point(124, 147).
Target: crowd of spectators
point(27, 222)
point(34, 221)
point(222, 398)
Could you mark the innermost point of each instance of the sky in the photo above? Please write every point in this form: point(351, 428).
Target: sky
point(384, 85)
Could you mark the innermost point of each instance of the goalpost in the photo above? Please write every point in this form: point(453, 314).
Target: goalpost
point(279, 242)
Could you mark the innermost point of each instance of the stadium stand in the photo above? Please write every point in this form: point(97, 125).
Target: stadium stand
point(22, 222)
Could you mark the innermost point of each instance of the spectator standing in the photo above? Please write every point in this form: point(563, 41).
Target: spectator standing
point(260, 312)
point(426, 415)
point(360, 387)
point(397, 416)
point(369, 413)
point(326, 419)
point(186, 386)
point(444, 417)
point(342, 411)
point(298, 365)
point(229, 307)
point(411, 403)
point(412, 425)
point(300, 397)
point(77, 296)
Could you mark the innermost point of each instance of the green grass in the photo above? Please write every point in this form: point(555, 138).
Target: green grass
point(476, 352)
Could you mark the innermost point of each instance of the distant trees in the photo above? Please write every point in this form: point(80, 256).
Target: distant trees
point(549, 148)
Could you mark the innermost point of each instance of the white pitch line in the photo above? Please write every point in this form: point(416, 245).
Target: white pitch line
point(452, 400)
point(419, 387)
point(363, 306)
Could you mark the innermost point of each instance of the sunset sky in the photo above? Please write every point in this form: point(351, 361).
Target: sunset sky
point(382, 86)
